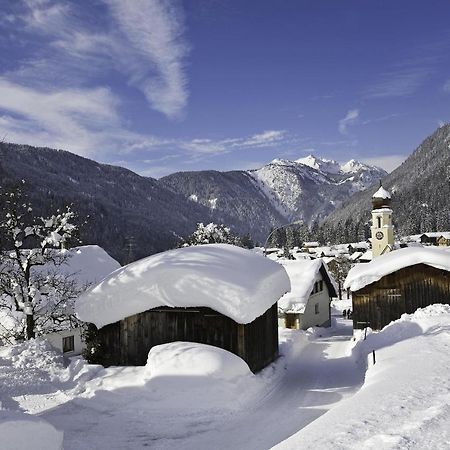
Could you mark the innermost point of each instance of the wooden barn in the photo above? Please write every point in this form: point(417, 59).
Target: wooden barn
point(397, 283)
point(215, 294)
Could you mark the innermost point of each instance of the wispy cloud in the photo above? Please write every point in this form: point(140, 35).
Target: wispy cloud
point(350, 118)
point(71, 119)
point(141, 39)
point(399, 83)
point(265, 139)
point(380, 119)
point(446, 87)
point(154, 29)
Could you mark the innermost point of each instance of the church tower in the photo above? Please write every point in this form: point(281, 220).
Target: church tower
point(382, 228)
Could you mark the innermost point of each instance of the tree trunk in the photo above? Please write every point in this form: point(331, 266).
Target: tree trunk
point(340, 290)
point(30, 327)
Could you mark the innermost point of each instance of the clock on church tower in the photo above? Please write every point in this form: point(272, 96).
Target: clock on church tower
point(382, 229)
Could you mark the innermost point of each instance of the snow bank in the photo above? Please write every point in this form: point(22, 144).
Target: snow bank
point(404, 402)
point(302, 274)
point(32, 355)
point(20, 431)
point(231, 280)
point(364, 274)
point(193, 359)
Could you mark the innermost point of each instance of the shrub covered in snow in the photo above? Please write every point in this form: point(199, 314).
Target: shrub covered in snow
point(20, 431)
point(193, 359)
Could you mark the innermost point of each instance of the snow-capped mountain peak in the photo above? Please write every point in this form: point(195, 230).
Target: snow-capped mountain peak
point(353, 166)
point(322, 164)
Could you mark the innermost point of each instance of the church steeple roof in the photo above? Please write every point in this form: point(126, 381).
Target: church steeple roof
point(381, 198)
point(382, 193)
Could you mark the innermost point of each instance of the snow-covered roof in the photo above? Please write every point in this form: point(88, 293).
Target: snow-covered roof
point(303, 274)
point(364, 274)
point(88, 264)
point(311, 244)
point(381, 193)
point(356, 255)
point(367, 256)
point(231, 280)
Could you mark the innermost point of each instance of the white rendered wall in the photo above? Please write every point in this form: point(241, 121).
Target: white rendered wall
point(309, 318)
point(56, 340)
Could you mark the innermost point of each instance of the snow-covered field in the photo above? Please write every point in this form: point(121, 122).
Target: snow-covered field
point(317, 395)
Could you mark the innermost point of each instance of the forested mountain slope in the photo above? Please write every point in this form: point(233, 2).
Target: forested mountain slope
point(122, 206)
point(420, 195)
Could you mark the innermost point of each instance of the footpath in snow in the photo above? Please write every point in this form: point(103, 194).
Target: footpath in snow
point(317, 395)
point(119, 408)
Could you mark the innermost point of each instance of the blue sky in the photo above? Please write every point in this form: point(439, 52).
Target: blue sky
point(160, 86)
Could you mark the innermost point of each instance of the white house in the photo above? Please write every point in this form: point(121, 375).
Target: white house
point(87, 265)
point(308, 303)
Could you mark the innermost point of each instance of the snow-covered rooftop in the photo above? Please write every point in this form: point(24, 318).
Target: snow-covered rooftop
point(303, 274)
point(231, 280)
point(381, 193)
point(364, 274)
point(88, 264)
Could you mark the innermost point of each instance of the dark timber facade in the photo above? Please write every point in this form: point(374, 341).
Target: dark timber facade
point(403, 291)
point(128, 341)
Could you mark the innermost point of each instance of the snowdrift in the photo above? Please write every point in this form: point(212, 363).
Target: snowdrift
point(20, 431)
point(404, 402)
point(196, 360)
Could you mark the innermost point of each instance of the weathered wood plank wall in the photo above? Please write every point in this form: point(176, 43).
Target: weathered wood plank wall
point(403, 291)
point(129, 341)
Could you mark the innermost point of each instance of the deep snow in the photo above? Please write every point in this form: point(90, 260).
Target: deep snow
point(236, 282)
point(309, 398)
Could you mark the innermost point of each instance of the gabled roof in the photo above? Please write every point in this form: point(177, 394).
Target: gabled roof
point(236, 282)
point(362, 275)
point(303, 275)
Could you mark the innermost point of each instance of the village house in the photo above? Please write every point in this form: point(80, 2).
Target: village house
point(215, 294)
point(85, 266)
point(443, 240)
point(398, 282)
point(308, 303)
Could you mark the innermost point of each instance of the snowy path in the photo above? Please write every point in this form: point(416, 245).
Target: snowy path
point(319, 375)
point(314, 376)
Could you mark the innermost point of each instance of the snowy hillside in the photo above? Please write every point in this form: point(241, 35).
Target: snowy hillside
point(191, 396)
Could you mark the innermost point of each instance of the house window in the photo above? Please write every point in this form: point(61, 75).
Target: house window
point(316, 308)
point(379, 221)
point(320, 285)
point(68, 344)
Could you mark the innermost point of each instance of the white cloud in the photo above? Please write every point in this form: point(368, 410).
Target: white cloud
point(399, 83)
point(446, 87)
point(264, 139)
point(63, 119)
point(142, 39)
point(154, 31)
point(349, 119)
point(388, 163)
point(381, 118)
